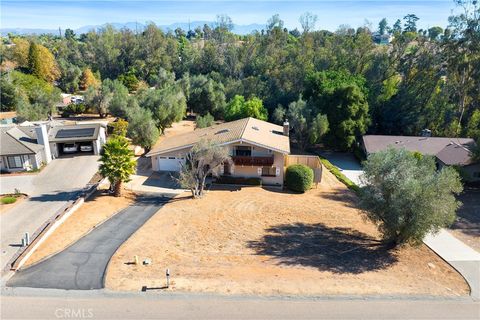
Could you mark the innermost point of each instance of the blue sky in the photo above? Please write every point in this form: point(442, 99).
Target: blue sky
point(75, 14)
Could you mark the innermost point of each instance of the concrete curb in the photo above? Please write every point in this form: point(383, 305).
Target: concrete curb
point(42, 233)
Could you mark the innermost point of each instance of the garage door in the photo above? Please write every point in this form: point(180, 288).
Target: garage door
point(170, 163)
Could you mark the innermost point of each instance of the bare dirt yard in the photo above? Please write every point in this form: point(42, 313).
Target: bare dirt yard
point(177, 128)
point(467, 226)
point(98, 208)
point(270, 242)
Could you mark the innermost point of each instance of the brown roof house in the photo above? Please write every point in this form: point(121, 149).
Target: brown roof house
point(447, 151)
point(257, 148)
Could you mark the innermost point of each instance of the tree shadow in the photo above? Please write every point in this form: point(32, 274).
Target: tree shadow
point(59, 196)
point(338, 250)
point(468, 215)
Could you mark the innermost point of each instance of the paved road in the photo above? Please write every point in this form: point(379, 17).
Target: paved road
point(347, 163)
point(82, 265)
point(459, 255)
point(50, 190)
point(101, 305)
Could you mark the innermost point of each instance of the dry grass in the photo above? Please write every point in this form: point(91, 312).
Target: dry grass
point(94, 211)
point(268, 242)
point(177, 128)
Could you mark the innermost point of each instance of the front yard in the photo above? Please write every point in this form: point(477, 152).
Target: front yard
point(268, 242)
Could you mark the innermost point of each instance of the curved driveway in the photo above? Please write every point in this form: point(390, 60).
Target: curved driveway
point(82, 265)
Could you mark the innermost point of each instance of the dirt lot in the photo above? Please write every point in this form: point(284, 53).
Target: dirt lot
point(177, 128)
point(467, 226)
point(269, 242)
point(95, 210)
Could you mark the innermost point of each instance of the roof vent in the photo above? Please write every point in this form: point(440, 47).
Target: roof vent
point(222, 131)
point(255, 128)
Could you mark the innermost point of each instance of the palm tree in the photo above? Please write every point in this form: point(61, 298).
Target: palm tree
point(117, 163)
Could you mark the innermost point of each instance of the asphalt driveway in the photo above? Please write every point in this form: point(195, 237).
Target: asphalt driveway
point(347, 163)
point(82, 265)
point(50, 190)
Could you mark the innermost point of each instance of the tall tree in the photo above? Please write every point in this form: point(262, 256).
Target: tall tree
point(308, 21)
point(410, 23)
point(406, 197)
point(117, 163)
point(382, 26)
point(41, 63)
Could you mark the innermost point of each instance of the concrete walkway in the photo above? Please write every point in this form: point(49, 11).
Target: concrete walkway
point(82, 266)
point(463, 258)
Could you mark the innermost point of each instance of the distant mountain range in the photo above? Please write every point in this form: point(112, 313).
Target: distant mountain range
point(238, 29)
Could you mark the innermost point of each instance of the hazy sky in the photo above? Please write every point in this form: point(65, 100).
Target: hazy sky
point(75, 14)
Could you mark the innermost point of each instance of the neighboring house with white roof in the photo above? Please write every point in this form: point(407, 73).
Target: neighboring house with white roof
point(258, 149)
point(447, 151)
point(27, 146)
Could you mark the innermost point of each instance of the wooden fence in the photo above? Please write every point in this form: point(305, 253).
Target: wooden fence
point(310, 161)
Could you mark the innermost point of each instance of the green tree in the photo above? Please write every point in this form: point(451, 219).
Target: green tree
point(238, 108)
point(206, 96)
point(342, 98)
point(141, 128)
point(70, 76)
point(119, 127)
point(204, 121)
point(382, 26)
point(434, 32)
point(406, 197)
point(473, 127)
point(410, 23)
point(117, 163)
point(167, 105)
point(397, 27)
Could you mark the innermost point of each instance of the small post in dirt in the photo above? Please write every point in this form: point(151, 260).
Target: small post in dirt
point(167, 273)
point(135, 260)
point(27, 239)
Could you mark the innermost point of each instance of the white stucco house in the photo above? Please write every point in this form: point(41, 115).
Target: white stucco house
point(28, 146)
point(258, 149)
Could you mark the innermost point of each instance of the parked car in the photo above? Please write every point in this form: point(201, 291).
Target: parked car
point(86, 147)
point(70, 148)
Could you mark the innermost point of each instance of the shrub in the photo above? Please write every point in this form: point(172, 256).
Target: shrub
point(204, 121)
point(299, 177)
point(8, 200)
point(253, 181)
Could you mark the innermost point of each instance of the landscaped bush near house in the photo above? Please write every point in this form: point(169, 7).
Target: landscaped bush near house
point(8, 200)
point(253, 181)
point(299, 177)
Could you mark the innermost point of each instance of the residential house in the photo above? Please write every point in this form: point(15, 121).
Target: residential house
point(447, 151)
point(258, 149)
point(29, 145)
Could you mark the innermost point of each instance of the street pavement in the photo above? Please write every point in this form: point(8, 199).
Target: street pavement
point(346, 163)
point(50, 190)
point(101, 304)
point(463, 258)
point(82, 265)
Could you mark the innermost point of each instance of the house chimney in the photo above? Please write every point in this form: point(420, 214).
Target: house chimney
point(42, 138)
point(426, 133)
point(286, 128)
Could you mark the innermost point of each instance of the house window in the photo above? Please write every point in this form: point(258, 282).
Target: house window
point(15, 162)
point(269, 171)
point(243, 151)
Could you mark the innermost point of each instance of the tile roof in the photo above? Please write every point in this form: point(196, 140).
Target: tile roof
point(13, 141)
point(249, 130)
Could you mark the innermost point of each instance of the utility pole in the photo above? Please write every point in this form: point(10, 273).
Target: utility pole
point(60, 31)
